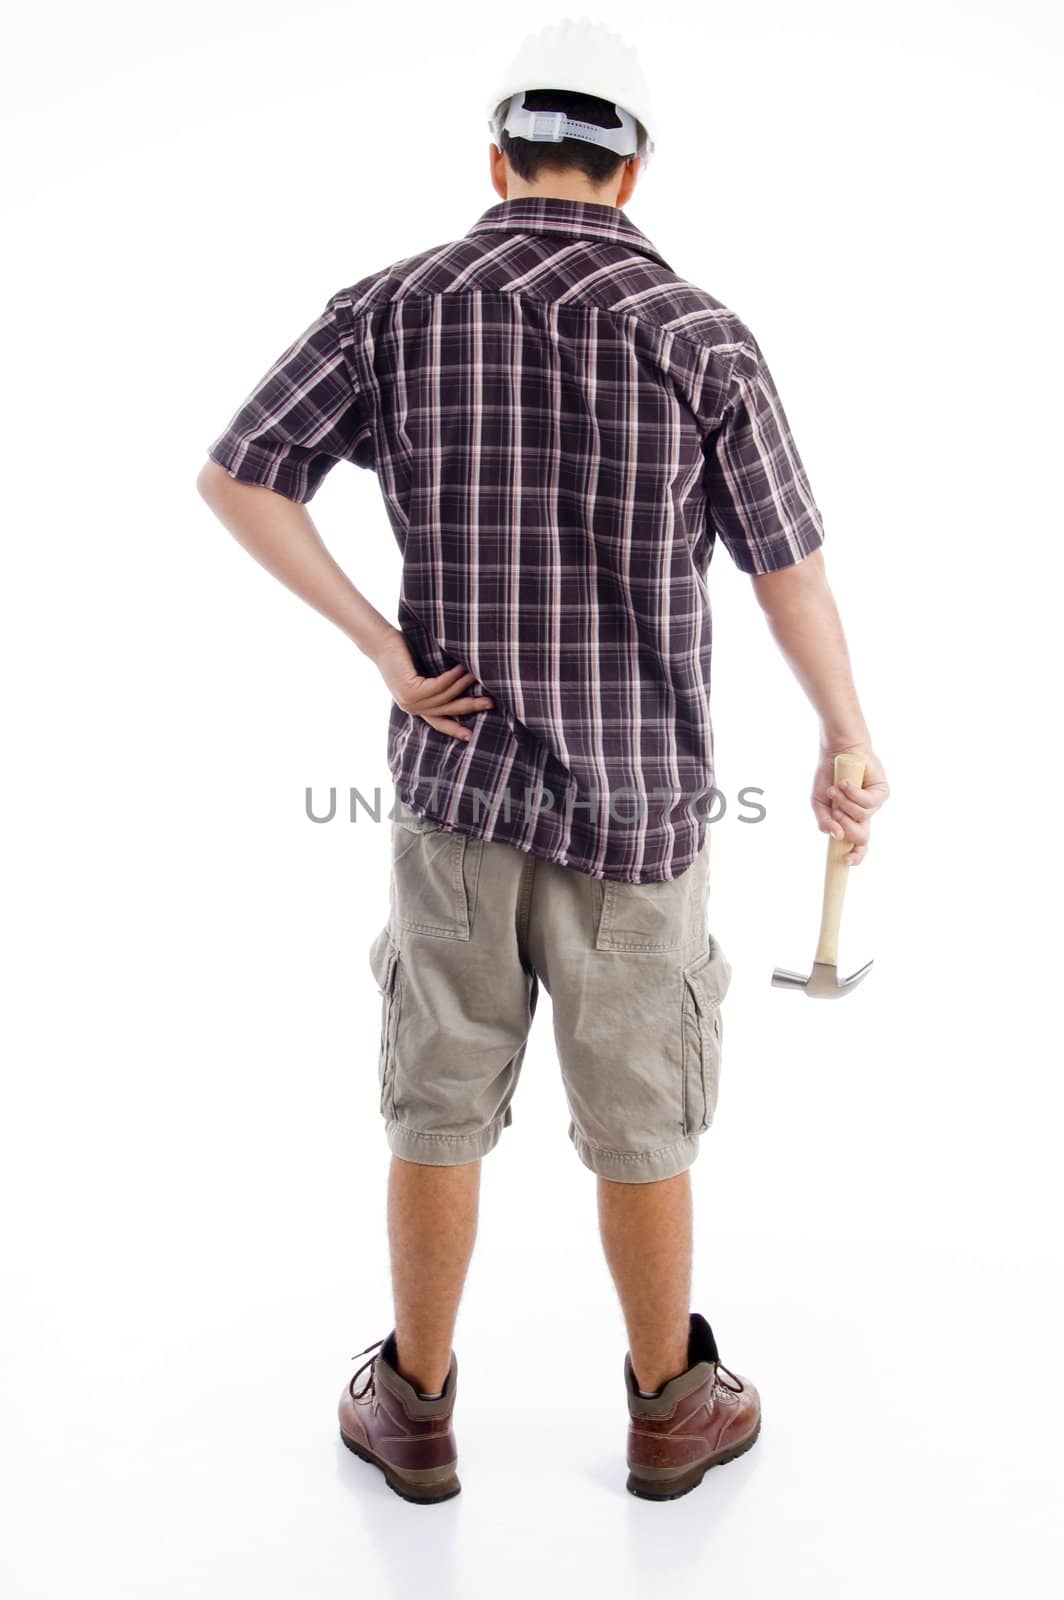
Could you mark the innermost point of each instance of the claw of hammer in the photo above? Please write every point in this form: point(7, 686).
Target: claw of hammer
point(824, 983)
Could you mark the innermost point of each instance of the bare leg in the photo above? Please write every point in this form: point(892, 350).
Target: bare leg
point(646, 1234)
point(432, 1226)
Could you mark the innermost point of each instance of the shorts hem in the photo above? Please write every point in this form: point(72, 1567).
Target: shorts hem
point(637, 1166)
point(444, 1149)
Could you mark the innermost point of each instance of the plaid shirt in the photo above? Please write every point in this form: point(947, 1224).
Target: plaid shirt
point(560, 426)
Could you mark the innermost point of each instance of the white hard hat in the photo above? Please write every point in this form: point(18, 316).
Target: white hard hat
point(586, 58)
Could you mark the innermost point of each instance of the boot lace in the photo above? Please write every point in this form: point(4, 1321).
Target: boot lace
point(738, 1382)
point(370, 1385)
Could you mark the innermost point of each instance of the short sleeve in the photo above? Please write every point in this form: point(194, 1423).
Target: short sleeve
point(757, 491)
point(304, 415)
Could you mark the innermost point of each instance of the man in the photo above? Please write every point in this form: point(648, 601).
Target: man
point(561, 426)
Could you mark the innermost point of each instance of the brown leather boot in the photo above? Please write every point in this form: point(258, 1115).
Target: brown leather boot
point(388, 1424)
point(695, 1421)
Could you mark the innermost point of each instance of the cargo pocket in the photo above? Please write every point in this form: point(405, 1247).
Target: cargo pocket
point(705, 983)
point(384, 962)
point(435, 877)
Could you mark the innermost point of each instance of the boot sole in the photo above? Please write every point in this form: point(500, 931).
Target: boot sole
point(671, 1487)
point(420, 1488)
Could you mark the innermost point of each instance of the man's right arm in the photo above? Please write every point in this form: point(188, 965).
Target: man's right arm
point(804, 620)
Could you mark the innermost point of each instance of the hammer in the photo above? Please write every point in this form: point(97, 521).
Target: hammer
point(824, 983)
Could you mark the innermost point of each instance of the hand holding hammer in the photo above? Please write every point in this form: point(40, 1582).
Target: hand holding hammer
point(824, 982)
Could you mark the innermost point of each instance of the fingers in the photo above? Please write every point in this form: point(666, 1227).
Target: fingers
point(448, 725)
point(431, 697)
point(440, 702)
point(855, 832)
point(840, 824)
point(458, 708)
point(442, 716)
point(825, 820)
point(844, 804)
point(449, 677)
point(432, 692)
point(848, 811)
point(855, 801)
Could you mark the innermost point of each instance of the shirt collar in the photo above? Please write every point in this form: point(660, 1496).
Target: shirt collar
point(579, 219)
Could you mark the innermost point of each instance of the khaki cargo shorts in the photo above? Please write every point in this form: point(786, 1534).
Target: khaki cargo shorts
point(635, 980)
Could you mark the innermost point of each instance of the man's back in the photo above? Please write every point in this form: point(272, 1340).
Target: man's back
point(559, 425)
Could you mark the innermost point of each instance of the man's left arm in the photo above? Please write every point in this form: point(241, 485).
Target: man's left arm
point(762, 506)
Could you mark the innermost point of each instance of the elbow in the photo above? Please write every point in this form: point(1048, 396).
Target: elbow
point(787, 585)
point(210, 480)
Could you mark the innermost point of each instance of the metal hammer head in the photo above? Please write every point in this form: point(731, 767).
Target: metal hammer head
point(823, 983)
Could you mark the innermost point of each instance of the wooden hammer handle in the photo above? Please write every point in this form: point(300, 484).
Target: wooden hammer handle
point(827, 950)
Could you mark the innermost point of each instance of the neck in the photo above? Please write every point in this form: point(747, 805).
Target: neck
point(560, 187)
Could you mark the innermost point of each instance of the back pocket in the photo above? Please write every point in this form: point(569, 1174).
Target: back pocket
point(435, 877)
point(706, 981)
point(653, 916)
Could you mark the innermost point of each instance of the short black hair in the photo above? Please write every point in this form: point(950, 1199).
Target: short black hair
point(530, 157)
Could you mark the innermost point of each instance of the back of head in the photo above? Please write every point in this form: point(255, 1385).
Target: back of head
point(573, 99)
point(531, 157)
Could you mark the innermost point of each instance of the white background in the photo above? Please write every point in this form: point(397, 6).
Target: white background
point(193, 1165)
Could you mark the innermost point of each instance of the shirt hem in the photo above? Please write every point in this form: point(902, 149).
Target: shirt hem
point(556, 857)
